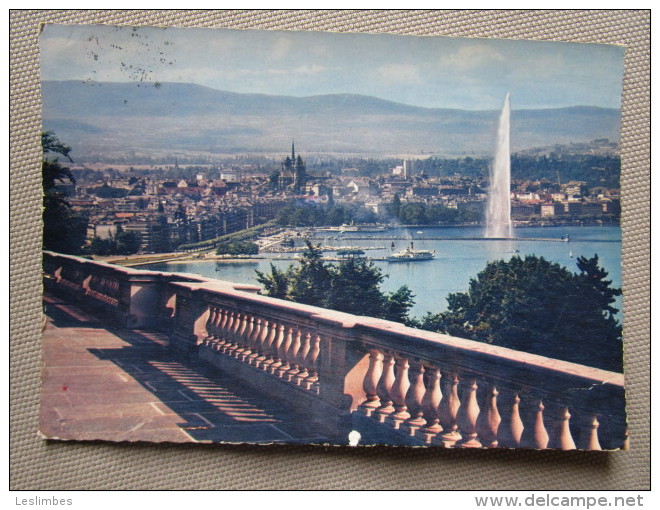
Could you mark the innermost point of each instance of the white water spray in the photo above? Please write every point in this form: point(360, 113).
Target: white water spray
point(498, 214)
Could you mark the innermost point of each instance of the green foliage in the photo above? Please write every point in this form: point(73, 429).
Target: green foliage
point(595, 170)
point(237, 248)
point(64, 229)
point(536, 306)
point(124, 242)
point(352, 286)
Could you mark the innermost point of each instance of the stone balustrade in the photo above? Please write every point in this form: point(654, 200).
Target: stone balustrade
point(341, 371)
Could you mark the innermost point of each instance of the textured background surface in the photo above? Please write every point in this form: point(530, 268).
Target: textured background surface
point(37, 464)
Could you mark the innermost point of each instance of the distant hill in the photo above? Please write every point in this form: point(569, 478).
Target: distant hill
point(150, 118)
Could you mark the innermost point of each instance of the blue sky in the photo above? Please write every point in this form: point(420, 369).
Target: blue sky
point(434, 72)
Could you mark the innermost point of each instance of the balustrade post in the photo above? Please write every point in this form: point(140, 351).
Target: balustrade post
point(221, 331)
point(517, 426)
point(565, 438)
point(311, 382)
point(414, 399)
point(593, 443)
point(469, 413)
point(283, 351)
point(280, 338)
point(384, 387)
point(292, 355)
point(370, 384)
point(303, 352)
point(246, 349)
point(264, 336)
point(489, 421)
point(541, 437)
point(399, 391)
point(228, 333)
point(271, 345)
point(449, 414)
point(210, 326)
point(257, 346)
point(431, 404)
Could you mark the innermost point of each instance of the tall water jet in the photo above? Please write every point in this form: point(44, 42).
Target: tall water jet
point(498, 213)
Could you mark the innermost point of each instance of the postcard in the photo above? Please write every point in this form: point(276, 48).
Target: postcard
point(288, 237)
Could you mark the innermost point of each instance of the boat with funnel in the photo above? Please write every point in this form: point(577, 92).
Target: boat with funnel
point(411, 255)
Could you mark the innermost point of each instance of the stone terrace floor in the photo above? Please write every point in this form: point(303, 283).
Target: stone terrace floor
point(101, 383)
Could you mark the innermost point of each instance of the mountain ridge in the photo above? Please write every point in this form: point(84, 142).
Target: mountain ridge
point(157, 117)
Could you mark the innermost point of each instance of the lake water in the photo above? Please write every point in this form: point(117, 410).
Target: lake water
point(456, 260)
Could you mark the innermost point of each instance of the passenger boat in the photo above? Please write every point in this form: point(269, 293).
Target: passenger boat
point(411, 255)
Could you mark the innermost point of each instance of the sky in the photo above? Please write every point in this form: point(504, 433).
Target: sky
point(432, 72)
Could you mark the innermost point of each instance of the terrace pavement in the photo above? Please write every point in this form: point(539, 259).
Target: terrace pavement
point(115, 384)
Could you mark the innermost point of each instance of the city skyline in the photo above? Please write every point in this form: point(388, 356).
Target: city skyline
point(432, 72)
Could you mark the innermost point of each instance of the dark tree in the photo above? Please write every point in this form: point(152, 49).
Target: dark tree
point(536, 306)
point(64, 230)
point(352, 286)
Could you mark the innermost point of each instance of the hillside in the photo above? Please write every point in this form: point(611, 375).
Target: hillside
point(170, 118)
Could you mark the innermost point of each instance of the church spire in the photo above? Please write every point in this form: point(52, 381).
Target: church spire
point(293, 151)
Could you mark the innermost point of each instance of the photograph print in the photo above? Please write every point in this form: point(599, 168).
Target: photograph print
point(289, 237)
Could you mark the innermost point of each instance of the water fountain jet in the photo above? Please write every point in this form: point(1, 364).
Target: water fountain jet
point(498, 213)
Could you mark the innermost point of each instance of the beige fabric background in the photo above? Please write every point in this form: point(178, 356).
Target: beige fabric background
point(37, 464)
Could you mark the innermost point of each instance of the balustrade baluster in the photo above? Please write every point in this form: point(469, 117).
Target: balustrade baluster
point(399, 391)
point(225, 331)
point(565, 438)
point(489, 421)
point(303, 352)
point(246, 336)
point(280, 338)
point(311, 382)
point(370, 383)
point(469, 413)
point(260, 360)
point(236, 334)
point(292, 355)
point(271, 345)
point(284, 352)
point(541, 437)
point(228, 333)
point(449, 414)
point(255, 341)
point(384, 388)
point(517, 426)
point(594, 444)
point(414, 399)
point(216, 326)
point(210, 325)
point(431, 403)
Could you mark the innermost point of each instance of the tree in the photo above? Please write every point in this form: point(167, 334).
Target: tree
point(311, 280)
point(64, 230)
point(353, 286)
point(536, 306)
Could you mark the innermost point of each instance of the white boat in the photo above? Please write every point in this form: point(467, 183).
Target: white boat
point(411, 255)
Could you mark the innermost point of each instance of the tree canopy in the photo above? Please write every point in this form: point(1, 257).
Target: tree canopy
point(64, 230)
point(352, 286)
point(537, 306)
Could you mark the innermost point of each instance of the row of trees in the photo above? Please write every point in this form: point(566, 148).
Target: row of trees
point(237, 248)
point(123, 242)
point(310, 214)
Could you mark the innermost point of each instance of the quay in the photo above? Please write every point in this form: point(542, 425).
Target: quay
point(135, 355)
